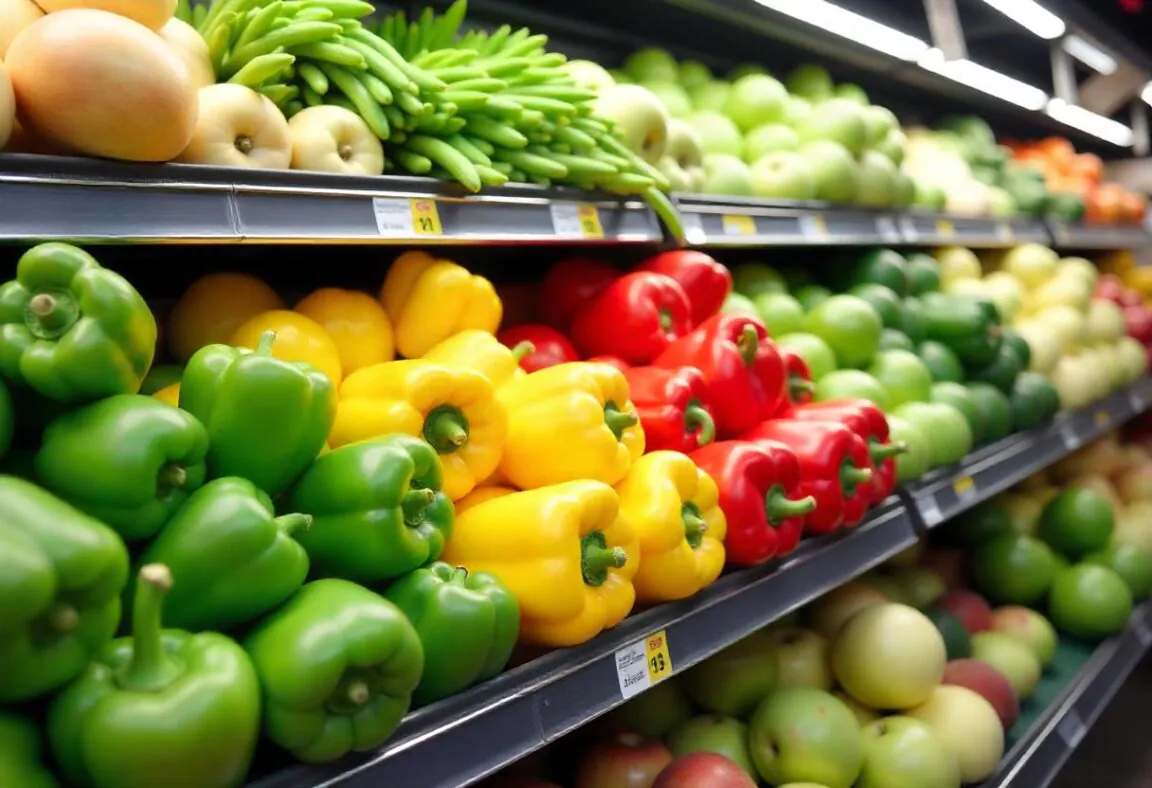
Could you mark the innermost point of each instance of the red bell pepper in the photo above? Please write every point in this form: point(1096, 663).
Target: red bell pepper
point(549, 346)
point(867, 421)
point(834, 468)
point(799, 389)
point(570, 285)
point(742, 367)
point(706, 282)
point(760, 495)
point(672, 405)
point(612, 361)
point(636, 318)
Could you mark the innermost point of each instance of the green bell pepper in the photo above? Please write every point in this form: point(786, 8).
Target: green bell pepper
point(468, 625)
point(128, 460)
point(267, 419)
point(964, 324)
point(377, 510)
point(7, 420)
point(72, 330)
point(338, 664)
point(232, 559)
point(61, 574)
point(20, 762)
point(162, 707)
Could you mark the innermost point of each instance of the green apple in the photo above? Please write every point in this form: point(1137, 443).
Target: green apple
point(875, 180)
point(810, 82)
point(889, 656)
point(951, 437)
point(716, 733)
point(835, 170)
point(756, 99)
point(754, 278)
point(902, 752)
point(672, 96)
point(928, 195)
point(838, 120)
point(862, 713)
point(903, 375)
point(780, 313)
point(850, 326)
point(849, 384)
point(801, 658)
point(811, 296)
point(640, 119)
point(893, 146)
point(968, 726)
point(903, 190)
point(801, 733)
point(769, 138)
point(916, 461)
point(717, 133)
point(1011, 657)
point(678, 178)
point(1013, 568)
point(710, 95)
point(783, 176)
point(922, 586)
point(959, 397)
point(1029, 627)
point(796, 110)
point(735, 680)
point(879, 122)
point(853, 93)
point(652, 63)
point(694, 73)
point(1089, 601)
point(589, 76)
point(1132, 563)
point(654, 712)
point(738, 304)
point(744, 70)
point(726, 174)
point(815, 352)
point(831, 612)
point(684, 146)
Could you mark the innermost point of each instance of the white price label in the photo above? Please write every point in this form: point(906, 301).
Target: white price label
point(576, 220)
point(393, 217)
point(1069, 437)
point(814, 225)
point(908, 230)
point(887, 229)
point(693, 229)
point(632, 670)
point(1136, 401)
point(930, 511)
point(965, 488)
point(1072, 729)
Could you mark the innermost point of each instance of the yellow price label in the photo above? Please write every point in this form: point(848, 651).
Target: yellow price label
point(945, 228)
point(964, 486)
point(425, 218)
point(659, 660)
point(589, 217)
point(1103, 418)
point(738, 224)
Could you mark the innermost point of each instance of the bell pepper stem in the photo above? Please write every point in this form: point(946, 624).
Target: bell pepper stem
point(748, 344)
point(358, 692)
point(350, 694)
point(446, 429)
point(780, 507)
point(171, 477)
point(51, 314)
point(665, 320)
point(62, 618)
point(694, 525)
point(150, 668)
point(291, 523)
point(264, 346)
point(459, 575)
point(699, 420)
point(596, 558)
point(522, 350)
point(798, 387)
point(617, 420)
point(852, 477)
point(414, 504)
point(886, 451)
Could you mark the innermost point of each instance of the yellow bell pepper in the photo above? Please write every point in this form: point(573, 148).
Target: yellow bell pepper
point(572, 421)
point(298, 338)
point(481, 351)
point(213, 308)
point(452, 408)
point(674, 508)
point(430, 299)
point(169, 394)
point(564, 551)
point(355, 321)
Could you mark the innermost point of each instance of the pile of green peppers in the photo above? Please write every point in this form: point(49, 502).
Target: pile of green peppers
point(187, 531)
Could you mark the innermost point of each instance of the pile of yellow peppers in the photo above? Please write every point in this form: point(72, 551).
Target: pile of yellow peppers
point(553, 491)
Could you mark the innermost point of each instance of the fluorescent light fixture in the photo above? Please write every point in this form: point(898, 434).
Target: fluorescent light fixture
point(852, 26)
point(1147, 94)
point(1090, 55)
point(985, 79)
point(1032, 16)
point(1091, 123)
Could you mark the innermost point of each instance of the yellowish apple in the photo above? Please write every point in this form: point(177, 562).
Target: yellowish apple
point(192, 50)
point(830, 612)
point(239, 127)
point(334, 139)
point(967, 725)
point(889, 656)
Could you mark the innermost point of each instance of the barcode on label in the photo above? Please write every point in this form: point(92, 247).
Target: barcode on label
point(576, 220)
point(393, 217)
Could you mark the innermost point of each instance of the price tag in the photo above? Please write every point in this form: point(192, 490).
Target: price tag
point(659, 660)
point(1143, 633)
point(930, 512)
point(814, 225)
point(1136, 401)
point(738, 224)
point(1069, 438)
point(642, 664)
point(401, 218)
point(887, 230)
point(945, 228)
point(1072, 729)
point(576, 220)
point(1103, 419)
point(908, 230)
point(1063, 235)
point(425, 218)
point(965, 488)
point(693, 229)
point(1004, 232)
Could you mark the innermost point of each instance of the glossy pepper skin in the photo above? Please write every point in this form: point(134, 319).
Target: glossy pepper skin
point(761, 495)
point(72, 330)
point(231, 558)
point(337, 665)
point(267, 419)
point(549, 346)
point(573, 421)
point(742, 368)
point(564, 552)
point(570, 285)
point(481, 351)
point(673, 407)
point(60, 600)
point(834, 467)
point(799, 388)
point(377, 509)
point(162, 707)
point(706, 282)
point(636, 318)
point(20, 754)
point(454, 409)
point(468, 623)
point(674, 507)
point(130, 461)
point(430, 299)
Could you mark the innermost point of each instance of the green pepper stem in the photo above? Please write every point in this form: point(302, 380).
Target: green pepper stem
point(264, 346)
point(697, 419)
point(51, 314)
point(522, 350)
point(414, 503)
point(291, 523)
point(171, 477)
point(617, 420)
point(596, 558)
point(358, 692)
point(665, 320)
point(446, 429)
point(459, 575)
point(799, 386)
point(748, 344)
point(852, 477)
point(886, 451)
point(780, 507)
point(151, 668)
point(63, 618)
point(694, 525)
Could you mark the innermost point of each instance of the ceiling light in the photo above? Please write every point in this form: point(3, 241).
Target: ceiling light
point(852, 26)
point(1091, 123)
point(1147, 94)
point(1032, 16)
point(985, 79)
point(1090, 55)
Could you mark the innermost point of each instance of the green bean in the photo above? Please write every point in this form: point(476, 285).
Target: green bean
point(447, 157)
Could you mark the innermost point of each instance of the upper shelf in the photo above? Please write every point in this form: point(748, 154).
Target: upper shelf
point(86, 200)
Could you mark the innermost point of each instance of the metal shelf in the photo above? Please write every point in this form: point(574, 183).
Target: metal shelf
point(1037, 758)
point(1097, 236)
point(713, 221)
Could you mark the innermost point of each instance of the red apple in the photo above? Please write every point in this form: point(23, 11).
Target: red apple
point(968, 606)
point(1129, 297)
point(1109, 287)
point(1138, 323)
point(989, 683)
point(703, 768)
point(626, 760)
point(951, 563)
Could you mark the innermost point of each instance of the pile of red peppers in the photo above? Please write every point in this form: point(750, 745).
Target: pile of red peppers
point(716, 387)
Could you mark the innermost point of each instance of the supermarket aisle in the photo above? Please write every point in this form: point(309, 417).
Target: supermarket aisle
point(1116, 751)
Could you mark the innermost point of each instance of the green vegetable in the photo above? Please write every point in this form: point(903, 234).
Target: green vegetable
point(923, 274)
point(753, 279)
point(1076, 522)
point(941, 361)
point(912, 322)
point(1001, 372)
point(811, 296)
point(886, 303)
point(964, 324)
point(20, 759)
point(959, 397)
point(891, 339)
point(995, 411)
point(1033, 400)
point(915, 462)
point(878, 267)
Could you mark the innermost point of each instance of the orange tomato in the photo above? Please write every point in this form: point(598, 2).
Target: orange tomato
point(1088, 166)
point(1133, 207)
point(356, 322)
point(214, 307)
point(1104, 206)
point(1059, 151)
point(298, 338)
